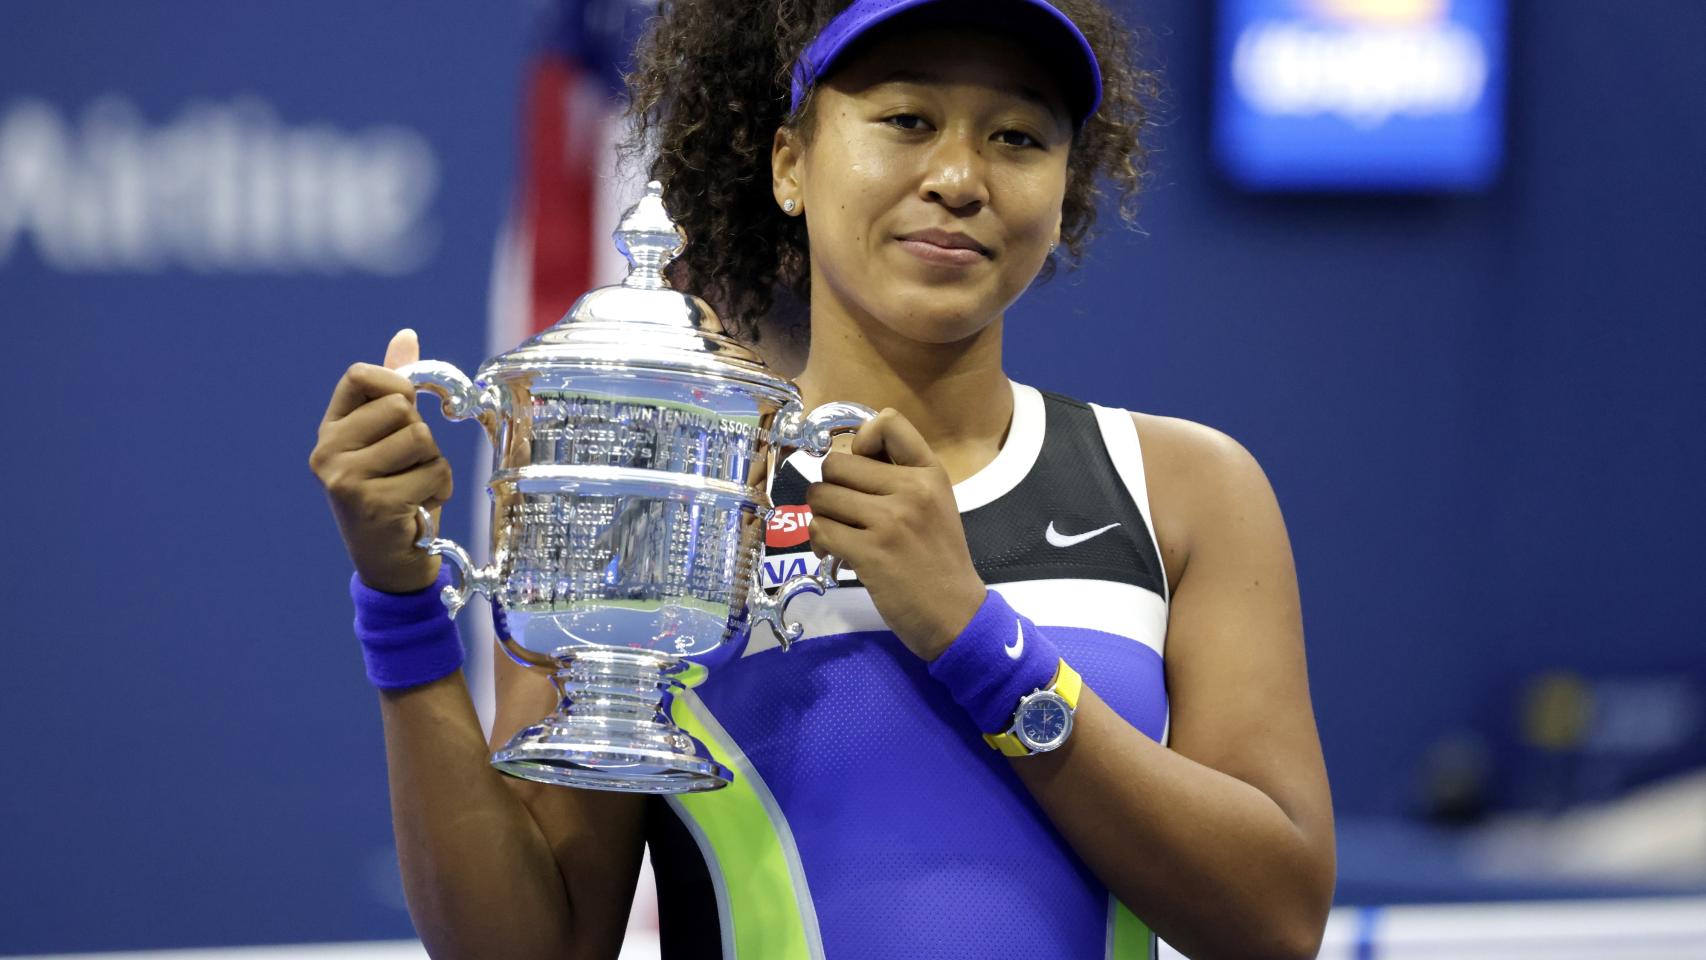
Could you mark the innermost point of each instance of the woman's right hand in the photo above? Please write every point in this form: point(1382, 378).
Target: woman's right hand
point(378, 461)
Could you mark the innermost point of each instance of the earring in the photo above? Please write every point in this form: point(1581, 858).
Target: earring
point(1052, 244)
point(788, 205)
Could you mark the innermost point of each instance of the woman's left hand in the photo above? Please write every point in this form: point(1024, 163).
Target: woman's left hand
point(897, 525)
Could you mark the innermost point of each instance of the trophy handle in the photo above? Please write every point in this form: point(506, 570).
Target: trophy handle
point(812, 432)
point(771, 608)
point(461, 400)
point(471, 579)
point(460, 397)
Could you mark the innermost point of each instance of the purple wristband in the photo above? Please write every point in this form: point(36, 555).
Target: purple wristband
point(998, 658)
point(407, 639)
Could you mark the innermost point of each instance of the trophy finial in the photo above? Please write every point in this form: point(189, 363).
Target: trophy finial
point(649, 239)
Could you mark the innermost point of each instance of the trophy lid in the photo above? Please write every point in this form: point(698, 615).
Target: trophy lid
point(641, 323)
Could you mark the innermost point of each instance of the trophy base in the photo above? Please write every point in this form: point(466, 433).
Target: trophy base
point(587, 752)
point(611, 731)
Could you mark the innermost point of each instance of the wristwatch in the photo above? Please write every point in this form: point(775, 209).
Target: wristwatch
point(1044, 718)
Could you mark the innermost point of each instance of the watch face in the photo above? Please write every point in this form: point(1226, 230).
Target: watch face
point(1045, 722)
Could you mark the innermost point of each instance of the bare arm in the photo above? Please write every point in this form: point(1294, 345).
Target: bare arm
point(494, 866)
point(1223, 844)
point(477, 870)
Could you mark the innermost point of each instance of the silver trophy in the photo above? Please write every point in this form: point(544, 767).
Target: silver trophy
point(633, 445)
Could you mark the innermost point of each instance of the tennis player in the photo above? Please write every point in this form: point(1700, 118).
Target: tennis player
point(1059, 704)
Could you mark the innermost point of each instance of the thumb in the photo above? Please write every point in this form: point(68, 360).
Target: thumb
point(894, 436)
point(405, 347)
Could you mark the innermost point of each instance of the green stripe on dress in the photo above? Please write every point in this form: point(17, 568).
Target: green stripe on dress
point(763, 888)
point(1130, 938)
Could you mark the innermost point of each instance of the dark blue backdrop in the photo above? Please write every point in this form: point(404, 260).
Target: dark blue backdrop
point(1481, 414)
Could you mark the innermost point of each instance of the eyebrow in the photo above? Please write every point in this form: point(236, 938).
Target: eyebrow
point(1031, 94)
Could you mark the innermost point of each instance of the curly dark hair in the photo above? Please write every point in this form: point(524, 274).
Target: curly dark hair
point(710, 87)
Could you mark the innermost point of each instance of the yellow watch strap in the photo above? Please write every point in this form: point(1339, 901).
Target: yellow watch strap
point(1007, 743)
point(1067, 683)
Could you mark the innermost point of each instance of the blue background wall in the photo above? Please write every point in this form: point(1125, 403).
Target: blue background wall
point(1482, 416)
point(193, 755)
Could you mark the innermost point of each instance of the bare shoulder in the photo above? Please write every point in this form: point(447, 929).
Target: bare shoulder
point(1193, 451)
point(1195, 474)
point(1237, 681)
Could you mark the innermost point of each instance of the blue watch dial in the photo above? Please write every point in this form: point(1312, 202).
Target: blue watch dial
point(1044, 721)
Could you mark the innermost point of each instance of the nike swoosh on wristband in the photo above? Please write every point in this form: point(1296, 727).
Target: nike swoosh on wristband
point(1058, 539)
point(1017, 647)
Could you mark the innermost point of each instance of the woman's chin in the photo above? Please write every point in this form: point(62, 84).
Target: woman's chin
point(943, 323)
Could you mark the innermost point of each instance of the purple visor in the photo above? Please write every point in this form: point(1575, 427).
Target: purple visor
point(1047, 32)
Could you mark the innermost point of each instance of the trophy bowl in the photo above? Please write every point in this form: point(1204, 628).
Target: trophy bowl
point(633, 444)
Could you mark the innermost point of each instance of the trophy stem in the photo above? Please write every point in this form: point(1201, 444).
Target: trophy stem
point(612, 729)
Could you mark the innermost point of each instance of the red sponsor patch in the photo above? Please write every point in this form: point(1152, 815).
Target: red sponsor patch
point(788, 526)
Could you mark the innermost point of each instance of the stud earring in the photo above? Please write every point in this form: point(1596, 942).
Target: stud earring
point(1052, 244)
point(788, 206)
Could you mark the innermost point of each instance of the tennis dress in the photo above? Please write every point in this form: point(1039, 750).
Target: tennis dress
point(868, 819)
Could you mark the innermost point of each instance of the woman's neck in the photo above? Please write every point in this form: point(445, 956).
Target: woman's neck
point(956, 394)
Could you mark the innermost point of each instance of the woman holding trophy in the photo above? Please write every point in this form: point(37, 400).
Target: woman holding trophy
point(1056, 705)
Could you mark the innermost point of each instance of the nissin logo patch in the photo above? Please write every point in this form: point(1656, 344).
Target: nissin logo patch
point(789, 526)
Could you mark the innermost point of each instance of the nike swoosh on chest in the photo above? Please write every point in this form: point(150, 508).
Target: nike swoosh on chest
point(1058, 539)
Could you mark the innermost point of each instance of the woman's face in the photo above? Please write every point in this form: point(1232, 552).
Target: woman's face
point(932, 181)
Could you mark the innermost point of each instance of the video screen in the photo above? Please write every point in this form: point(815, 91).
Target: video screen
point(1360, 95)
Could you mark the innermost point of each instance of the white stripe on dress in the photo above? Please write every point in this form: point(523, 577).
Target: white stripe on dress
point(1119, 435)
point(1121, 609)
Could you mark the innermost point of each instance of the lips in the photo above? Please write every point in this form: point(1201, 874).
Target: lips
point(945, 239)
